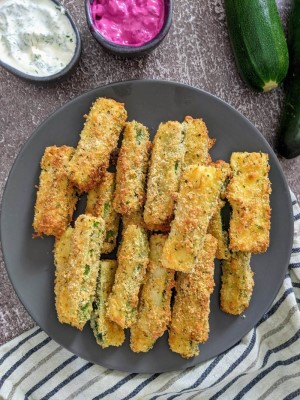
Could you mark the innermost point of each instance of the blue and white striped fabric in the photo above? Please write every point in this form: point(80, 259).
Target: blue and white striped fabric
point(265, 364)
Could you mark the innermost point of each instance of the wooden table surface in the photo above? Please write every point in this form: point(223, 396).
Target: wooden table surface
point(196, 52)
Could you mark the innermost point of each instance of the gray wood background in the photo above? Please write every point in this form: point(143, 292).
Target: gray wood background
point(196, 52)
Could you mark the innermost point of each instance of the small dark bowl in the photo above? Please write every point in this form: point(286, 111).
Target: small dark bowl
point(131, 51)
point(64, 73)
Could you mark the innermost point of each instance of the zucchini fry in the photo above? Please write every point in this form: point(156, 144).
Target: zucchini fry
point(99, 204)
point(56, 197)
point(75, 281)
point(133, 258)
point(237, 283)
point(226, 175)
point(164, 175)
point(98, 139)
point(197, 201)
point(132, 169)
point(133, 219)
point(62, 251)
point(248, 193)
point(196, 142)
point(215, 228)
point(155, 303)
point(192, 301)
point(186, 348)
point(107, 333)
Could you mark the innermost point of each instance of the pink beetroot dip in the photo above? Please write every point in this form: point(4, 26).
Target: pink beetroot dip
point(128, 22)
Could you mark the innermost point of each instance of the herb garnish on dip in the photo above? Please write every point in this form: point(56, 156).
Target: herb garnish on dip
point(36, 37)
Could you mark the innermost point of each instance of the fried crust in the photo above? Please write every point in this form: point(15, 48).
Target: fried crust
point(106, 332)
point(133, 219)
point(56, 196)
point(99, 204)
point(133, 259)
point(237, 283)
point(164, 175)
point(198, 198)
point(75, 280)
point(154, 311)
point(192, 301)
point(98, 139)
point(186, 348)
point(132, 167)
point(196, 142)
point(248, 193)
point(62, 250)
point(215, 228)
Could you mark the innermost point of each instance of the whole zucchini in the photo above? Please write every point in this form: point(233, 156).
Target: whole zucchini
point(294, 37)
point(289, 132)
point(258, 42)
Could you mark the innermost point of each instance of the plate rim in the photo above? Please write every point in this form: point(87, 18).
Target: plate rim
point(160, 81)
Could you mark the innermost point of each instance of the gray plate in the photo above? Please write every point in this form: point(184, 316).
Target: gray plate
point(29, 262)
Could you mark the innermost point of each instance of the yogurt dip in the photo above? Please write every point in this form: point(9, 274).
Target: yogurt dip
point(36, 36)
point(128, 22)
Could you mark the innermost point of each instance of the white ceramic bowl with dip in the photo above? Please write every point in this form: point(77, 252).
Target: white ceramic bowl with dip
point(39, 40)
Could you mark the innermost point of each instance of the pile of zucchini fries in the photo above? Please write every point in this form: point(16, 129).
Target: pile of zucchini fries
point(168, 195)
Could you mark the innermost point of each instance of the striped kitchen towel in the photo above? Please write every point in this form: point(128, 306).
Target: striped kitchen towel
point(265, 364)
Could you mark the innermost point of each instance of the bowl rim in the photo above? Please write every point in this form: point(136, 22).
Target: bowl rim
point(132, 50)
point(72, 63)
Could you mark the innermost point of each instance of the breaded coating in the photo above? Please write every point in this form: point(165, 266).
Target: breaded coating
point(133, 219)
point(226, 175)
point(186, 348)
point(154, 311)
point(196, 142)
point(248, 193)
point(191, 307)
point(75, 280)
point(133, 259)
point(237, 283)
point(132, 167)
point(215, 228)
point(190, 314)
point(56, 197)
point(99, 204)
point(198, 198)
point(164, 175)
point(62, 250)
point(107, 333)
point(98, 139)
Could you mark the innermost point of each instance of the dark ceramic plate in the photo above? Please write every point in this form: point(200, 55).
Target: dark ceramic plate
point(29, 262)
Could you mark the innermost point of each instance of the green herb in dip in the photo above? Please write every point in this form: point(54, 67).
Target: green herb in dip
point(36, 37)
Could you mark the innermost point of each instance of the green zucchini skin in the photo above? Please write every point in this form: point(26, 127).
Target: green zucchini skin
point(289, 132)
point(258, 42)
point(294, 37)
